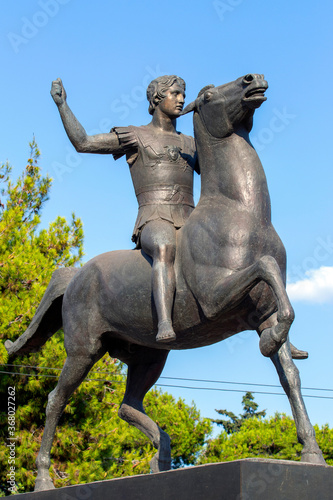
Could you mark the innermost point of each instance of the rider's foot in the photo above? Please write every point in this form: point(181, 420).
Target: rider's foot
point(165, 332)
point(297, 353)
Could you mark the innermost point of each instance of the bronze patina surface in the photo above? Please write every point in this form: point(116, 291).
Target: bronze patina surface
point(218, 269)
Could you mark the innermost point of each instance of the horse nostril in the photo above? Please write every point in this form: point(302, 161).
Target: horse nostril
point(248, 78)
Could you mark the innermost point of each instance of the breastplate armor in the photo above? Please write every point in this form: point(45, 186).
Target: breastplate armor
point(162, 172)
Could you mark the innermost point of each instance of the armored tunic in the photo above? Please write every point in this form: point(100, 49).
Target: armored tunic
point(161, 167)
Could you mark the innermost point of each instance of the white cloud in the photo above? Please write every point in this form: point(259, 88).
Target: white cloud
point(316, 287)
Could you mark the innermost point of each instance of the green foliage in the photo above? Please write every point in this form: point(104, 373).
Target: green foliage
point(271, 438)
point(92, 443)
point(234, 424)
point(324, 436)
point(183, 424)
point(28, 258)
point(274, 438)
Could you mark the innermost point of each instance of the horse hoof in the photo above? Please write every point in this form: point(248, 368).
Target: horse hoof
point(157, 465)
point(267, 344)
point(44, 484)
point(8, 345)
point(313, 458)
point(165, 332)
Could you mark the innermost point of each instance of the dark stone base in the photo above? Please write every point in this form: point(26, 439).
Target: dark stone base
point(250, 479)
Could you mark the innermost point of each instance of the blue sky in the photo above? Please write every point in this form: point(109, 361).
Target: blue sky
point(106, 53)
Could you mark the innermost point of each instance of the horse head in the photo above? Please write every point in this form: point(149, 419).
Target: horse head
point(224, 109)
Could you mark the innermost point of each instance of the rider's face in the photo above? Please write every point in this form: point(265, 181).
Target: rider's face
point(173, 102)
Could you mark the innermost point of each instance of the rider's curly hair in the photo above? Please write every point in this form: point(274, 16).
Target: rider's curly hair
point(157, 88)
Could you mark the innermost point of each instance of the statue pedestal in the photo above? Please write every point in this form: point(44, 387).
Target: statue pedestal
point(249, 479)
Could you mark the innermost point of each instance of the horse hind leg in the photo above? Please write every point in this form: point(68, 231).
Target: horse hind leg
point(143, 371)
point(73, 373)
point(290, 381)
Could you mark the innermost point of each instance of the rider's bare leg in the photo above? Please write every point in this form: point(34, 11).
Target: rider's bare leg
point(158, 240)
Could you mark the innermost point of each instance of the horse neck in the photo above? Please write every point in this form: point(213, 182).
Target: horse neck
point(230, 168)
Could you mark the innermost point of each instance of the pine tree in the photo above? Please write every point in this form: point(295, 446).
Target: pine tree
point(91, 443)
point(234, 424)
point(273, 437)
point(27, 257)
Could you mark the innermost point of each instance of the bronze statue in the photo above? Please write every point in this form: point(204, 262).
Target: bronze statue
point(230, 275)
point(161, 162)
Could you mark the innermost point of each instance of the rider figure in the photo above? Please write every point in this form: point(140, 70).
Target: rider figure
point(161, 162)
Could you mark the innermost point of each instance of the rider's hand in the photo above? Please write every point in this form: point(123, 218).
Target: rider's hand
point(58, 92)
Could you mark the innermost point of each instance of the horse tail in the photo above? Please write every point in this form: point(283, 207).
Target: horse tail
point(48, 317)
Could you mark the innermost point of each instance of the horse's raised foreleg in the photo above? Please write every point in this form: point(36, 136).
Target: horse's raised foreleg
point(290, 381)
point(141, 376)
point(233, 288)
point(73, 373)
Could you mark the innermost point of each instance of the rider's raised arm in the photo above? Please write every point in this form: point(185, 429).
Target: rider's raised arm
point(83, 143)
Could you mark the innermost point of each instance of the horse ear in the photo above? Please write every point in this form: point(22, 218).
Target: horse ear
point(190, 107)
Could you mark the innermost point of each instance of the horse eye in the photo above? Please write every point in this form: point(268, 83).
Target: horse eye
point(208, 96)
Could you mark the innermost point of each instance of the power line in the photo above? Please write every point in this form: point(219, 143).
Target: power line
point(173, 378)
point(55, 376)
point(241, 383)
point(239, 390)
point(172, 386)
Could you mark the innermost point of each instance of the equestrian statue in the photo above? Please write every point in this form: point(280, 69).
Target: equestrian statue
point(198, 275)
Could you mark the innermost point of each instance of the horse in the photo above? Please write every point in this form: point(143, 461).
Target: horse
point(230, 271)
